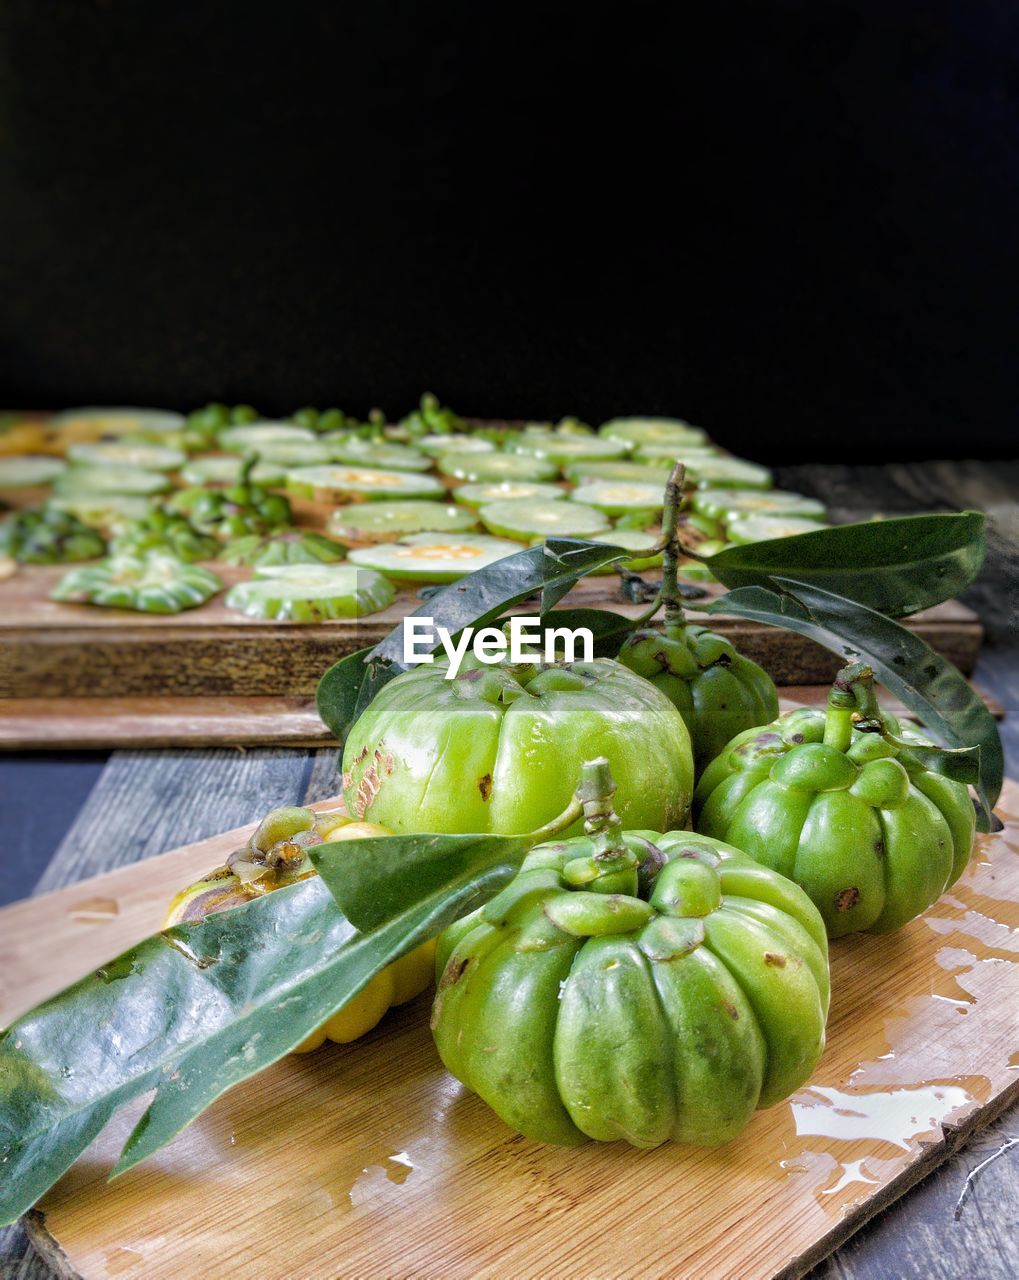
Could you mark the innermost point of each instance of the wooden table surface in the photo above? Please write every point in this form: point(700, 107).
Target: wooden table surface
point(129, 805)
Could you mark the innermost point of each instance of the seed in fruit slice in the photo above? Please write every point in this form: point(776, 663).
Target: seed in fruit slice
point(727, 504)
point(480, 468)
point(344, 447)
point(642, 544)
point(620, 498)
point(563, 448)
point(26, 471)
point(391, 521)
point(637, 472)
point(764, 528)
point(526, 520)
point(149, 457)
point(734, 472)
point(430, 557)
point(335, 484)
point(476, 495)
point(227, 470)
point(652, 431)
point(93, 424)
point(251, 437)
point(153, 583)
point(455, 442)
point(132, 480)
point(311, 593)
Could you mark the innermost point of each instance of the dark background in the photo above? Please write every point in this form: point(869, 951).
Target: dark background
point(792, 223)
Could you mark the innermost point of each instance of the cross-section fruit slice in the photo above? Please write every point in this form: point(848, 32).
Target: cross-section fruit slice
point(526, 520)
point(728, 504)
point(154, 583)
point(252, 437)
point(354, 451)
point(227, 470)
point(149, 457)
point(430, 557)
point(620, 498)
point(106, 511)
point(339, 484)
point(671, 453)
point(641, 544)
point(645, 431)
point(563, 448)
point(93, 424)
point(311, 593)
point(625, 472)
point(737, 473)
point(764, 528)
point(455, 442)
point(481, 468)
point(130, 480)
point(391, 521)
point(25, 471)
point(477, 495)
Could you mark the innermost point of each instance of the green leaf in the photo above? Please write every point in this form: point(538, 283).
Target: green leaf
point(925, 682)
point(896, 567)
point(608, 629)
point(475, 600)
point(417, 878)
point(190, 1013)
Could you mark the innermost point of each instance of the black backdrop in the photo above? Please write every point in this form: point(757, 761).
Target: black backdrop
point(791, 222)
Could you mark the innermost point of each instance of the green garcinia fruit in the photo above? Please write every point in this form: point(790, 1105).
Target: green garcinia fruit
point(166, 531)
point(634, 986)
point(296, 546)
point(498, 748)
point(153, 583)
point(48, 536)
point(311, 593)
point(242, 509)
point(842, 802)
point(717, 691)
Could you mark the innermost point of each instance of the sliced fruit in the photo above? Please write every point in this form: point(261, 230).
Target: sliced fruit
point(149, 457)
point(375, 453)
point(727, 504)
point(93, 424)
point(642, 544)
point(526, 520)
point(252, 437)
point(455, 442)
point(227, 470)
point(626, 472)
point(154, 583)
point(165, 531)
point(764, 528)
point(480, 468)
point(293, 453)
point(295, 547)
point(338, 483)
point(311, 593)
point(25, 471)
point(737, 473)
point(429, 557)
point(391, 521)
point(476, 495)
point(672, 453)
point(652, 431)
point(131, 480)
point(563, 448)
point(106, 511)
point(620, 498)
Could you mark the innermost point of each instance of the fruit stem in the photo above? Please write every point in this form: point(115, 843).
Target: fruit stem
point(672, 549)
point(851, 698)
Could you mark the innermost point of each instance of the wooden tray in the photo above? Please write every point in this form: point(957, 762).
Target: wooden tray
point(370, 1161)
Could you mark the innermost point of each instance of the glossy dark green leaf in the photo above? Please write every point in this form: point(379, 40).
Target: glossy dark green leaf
point(476, 600)
point(896, 567)
point(925, 682)
point(608, 629)
point(189, 1013)
point(411, 878)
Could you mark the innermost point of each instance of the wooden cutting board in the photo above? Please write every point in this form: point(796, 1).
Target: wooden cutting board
point(370, 1161)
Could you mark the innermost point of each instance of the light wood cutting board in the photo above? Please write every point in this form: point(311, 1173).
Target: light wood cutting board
point(370, 1161)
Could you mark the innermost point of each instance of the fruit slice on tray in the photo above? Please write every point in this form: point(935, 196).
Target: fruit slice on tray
point(78, 481)
point(339, 484)
point(481, 468)
point(93, 424)
point(147, 457)
point(430, 557)
point(562, 448)
point(764, 528)
point(106, 511)
point(652, 431)
point(641, 544)
point(311, 593)
point(344, 447)
point(670, 453)
point(728, 504)
point(296, 546)
point(455, 442)
point(154, 583)
point(252, 437)
point(734, 472)
point(25, 471)
point(227, 470)
point(619, 498)
point(623, 471)
point(476, 495)
point(293, 453)
point(391, 521)
point(526, 520)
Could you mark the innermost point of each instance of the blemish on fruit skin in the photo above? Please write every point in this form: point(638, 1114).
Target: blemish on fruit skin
point(485, 786)
point(731, 1010)
point(772, 957)
point(846, 899)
